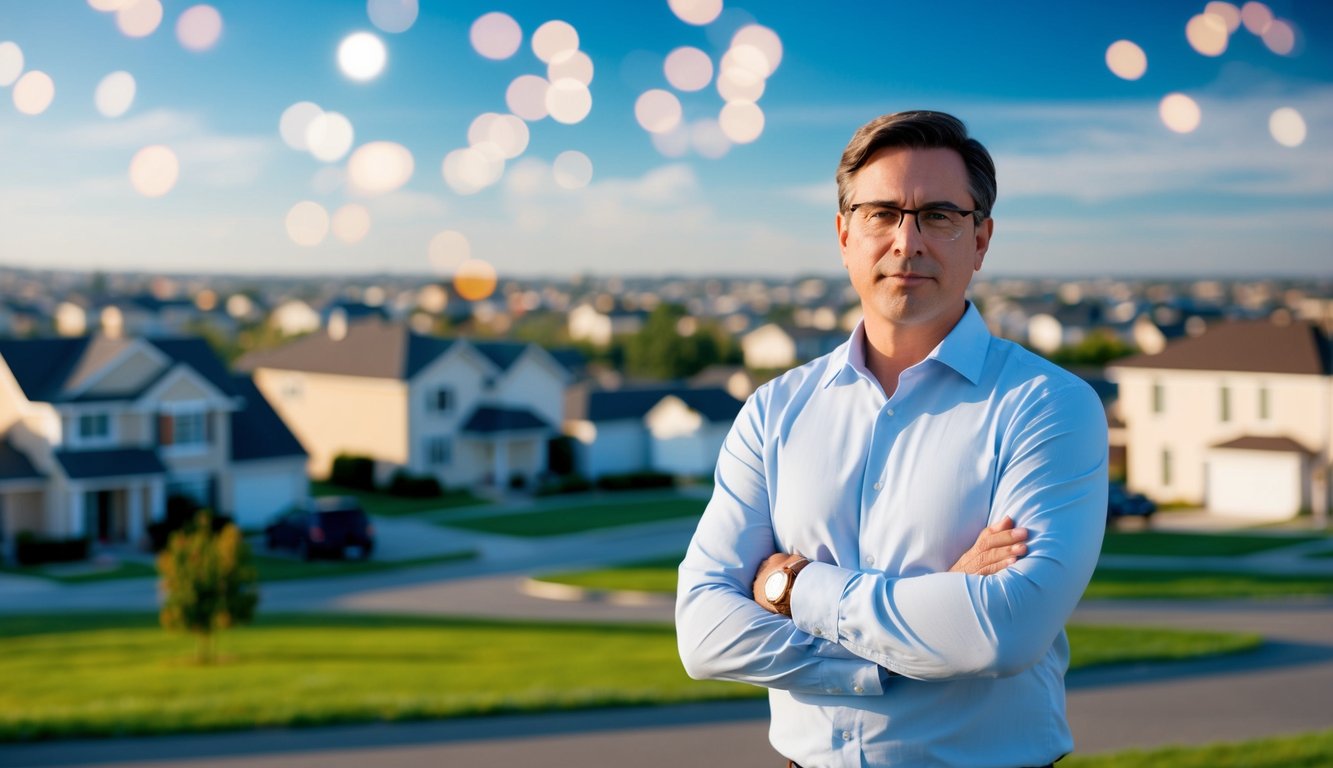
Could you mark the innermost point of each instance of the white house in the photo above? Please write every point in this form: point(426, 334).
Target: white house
point(1238, 418)
point(97, 433)
point(467, 413)
point(775, 346)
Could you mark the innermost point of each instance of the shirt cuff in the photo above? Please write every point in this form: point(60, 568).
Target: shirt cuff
point(816, 598)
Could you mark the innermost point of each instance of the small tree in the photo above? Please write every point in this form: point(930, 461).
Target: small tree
point(208, 582)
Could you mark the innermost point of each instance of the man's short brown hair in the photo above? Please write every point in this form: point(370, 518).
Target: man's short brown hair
point(920, 129)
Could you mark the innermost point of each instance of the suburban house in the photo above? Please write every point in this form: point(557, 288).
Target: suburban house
point(778, 346)
point(467, 412)
point(96, 433)
point(1237, 418)
point(675, 430)
point(588, 323)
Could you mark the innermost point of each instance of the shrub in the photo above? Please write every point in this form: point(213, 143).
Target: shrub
point(517, 482)
point(634, 480)
point(356, 472)
point(412, 486)
point(208, 582)
point(181, 511)
point(566, 484)
point(31, 549)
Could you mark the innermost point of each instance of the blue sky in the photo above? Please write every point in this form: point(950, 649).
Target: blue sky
point(1091, 180)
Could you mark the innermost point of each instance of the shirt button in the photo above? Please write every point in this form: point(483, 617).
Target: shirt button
point(870, 559)
point(858, 689)
point(817, 632)
point(890, 411)
point(846, 735)
point(879, 486)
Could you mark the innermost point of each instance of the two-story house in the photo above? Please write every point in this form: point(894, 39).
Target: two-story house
point(96, 434)
point(467, 412)
point(1237, 418)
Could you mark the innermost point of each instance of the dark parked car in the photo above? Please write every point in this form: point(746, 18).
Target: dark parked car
point(1120, 502)
point(329, 525)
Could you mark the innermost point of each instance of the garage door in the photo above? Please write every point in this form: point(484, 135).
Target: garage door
point(262, 494)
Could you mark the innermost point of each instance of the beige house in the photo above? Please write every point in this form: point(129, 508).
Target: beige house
point(1238, 419)
point(467, 412)
point(97, 433)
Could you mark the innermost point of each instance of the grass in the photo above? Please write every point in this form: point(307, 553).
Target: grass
point(84, 572)
point(287, 569)
point(384, 505)
point(79, 675)
point(1309, 750)
point(1197, 544)
point(586, 517)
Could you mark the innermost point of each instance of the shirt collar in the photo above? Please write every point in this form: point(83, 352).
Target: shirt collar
point(963, 350)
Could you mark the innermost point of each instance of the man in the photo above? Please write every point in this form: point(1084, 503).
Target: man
point(900, 529)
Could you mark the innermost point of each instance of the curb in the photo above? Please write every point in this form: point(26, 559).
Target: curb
point(548, 590)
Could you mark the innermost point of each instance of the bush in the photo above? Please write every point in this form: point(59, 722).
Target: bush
point(566, 484)
point(635, 480)
point(181, 511)
point(412, 486)
point(208, 582)
point(517, 482)
point(357, 472)
point(31, 549)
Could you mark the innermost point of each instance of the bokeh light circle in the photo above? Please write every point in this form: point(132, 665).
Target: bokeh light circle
point(764, 40)
point(1180, 113)
point(1207, 34)
point(392, 16)
point(673, 143)
point(154, 170)
point(572, 169)
point(1228, 12)
point(496, 36)
point(447, 250)
point(107, 6)
point(329, 136)
point(361, 56)
point(351, 223)
point(115, 94)
point(1126, 60)
point(688, 69)
point(472, 169)
point(11, 63)
point(507, 132)
point(1280, 37)
point(708, 139)
point(199, 28)
point(574, 65)
point(568, 101)
point(737, 83)
point(139, 18)
point(696, 12)
point(1256, 17)
point(33, 92)
point(307, 223)
point(741, 121)
point(1287, 127)
point(295, 123)
point(475, 280)
point(554, 38)
point(379, 167)
point(526, 97)
point(657, 111)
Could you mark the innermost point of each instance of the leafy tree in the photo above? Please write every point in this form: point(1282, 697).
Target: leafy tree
point(659, 350)
point(208, 582)
point(1096, 349)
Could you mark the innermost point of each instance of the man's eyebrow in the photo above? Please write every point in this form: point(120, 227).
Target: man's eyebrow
point(946, 204)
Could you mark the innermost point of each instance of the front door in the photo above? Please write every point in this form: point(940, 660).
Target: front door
point(107, 522)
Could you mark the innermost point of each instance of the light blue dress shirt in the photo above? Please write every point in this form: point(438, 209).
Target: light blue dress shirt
point(885, 494)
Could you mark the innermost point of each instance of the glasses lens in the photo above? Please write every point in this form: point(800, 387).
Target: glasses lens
point(941, 223)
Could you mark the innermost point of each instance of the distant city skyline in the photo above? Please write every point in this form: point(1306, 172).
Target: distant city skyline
point(1092, 181)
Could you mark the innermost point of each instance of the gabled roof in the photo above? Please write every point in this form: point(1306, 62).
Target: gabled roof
point(49, 370)
point(489, 419)
point(713, 403)
point(257, 432)
point(371, 348)
point(195, 352)
point(115, 462)
point(1275, 444)
point(14, 464)
point(502, 353)
point(1251, 346)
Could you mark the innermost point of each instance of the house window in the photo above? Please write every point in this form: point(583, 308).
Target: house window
point(1166, 466)
point(1264, 412)
point(1158, 397)
point(440, 401)
point(439, 451)
point(1224, 403)
point(94, 426)
point(184, 428)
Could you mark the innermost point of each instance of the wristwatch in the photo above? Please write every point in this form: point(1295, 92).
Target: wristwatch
point(778, 585)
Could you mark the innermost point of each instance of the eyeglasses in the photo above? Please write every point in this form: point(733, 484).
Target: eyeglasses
point(942, 224)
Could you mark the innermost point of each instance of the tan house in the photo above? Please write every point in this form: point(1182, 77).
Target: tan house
point(1238, 419)
point(467, 412)
point(97, 433)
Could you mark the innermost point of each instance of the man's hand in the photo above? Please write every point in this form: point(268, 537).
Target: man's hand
point(998, 547)
point(767, 568)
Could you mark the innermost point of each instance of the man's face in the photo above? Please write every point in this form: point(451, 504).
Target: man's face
point(904, 278)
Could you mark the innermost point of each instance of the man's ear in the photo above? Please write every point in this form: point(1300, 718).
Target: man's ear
point(841, 222)
point(984, 232)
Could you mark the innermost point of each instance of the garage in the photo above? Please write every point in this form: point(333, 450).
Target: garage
point(263, 489)
point(1258, 477)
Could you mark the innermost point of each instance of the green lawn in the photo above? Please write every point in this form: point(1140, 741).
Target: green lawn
point(384, 505)
point(1197, 544)
point(84, 572)
point(286, 569)
point(584, 517)
point(1309, 750)
point(117, 674)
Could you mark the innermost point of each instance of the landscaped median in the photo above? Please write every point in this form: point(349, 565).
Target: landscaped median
point(119, 674)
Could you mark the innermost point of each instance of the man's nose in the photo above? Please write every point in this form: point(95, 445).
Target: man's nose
point(908, 238)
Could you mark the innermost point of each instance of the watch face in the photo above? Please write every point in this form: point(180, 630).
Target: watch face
point(775, 585)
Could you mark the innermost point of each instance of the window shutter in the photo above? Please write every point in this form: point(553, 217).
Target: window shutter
point(164, 429)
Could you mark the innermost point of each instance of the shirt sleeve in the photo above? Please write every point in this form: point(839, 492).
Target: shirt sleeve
point(940, 626)
point(721, 631)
